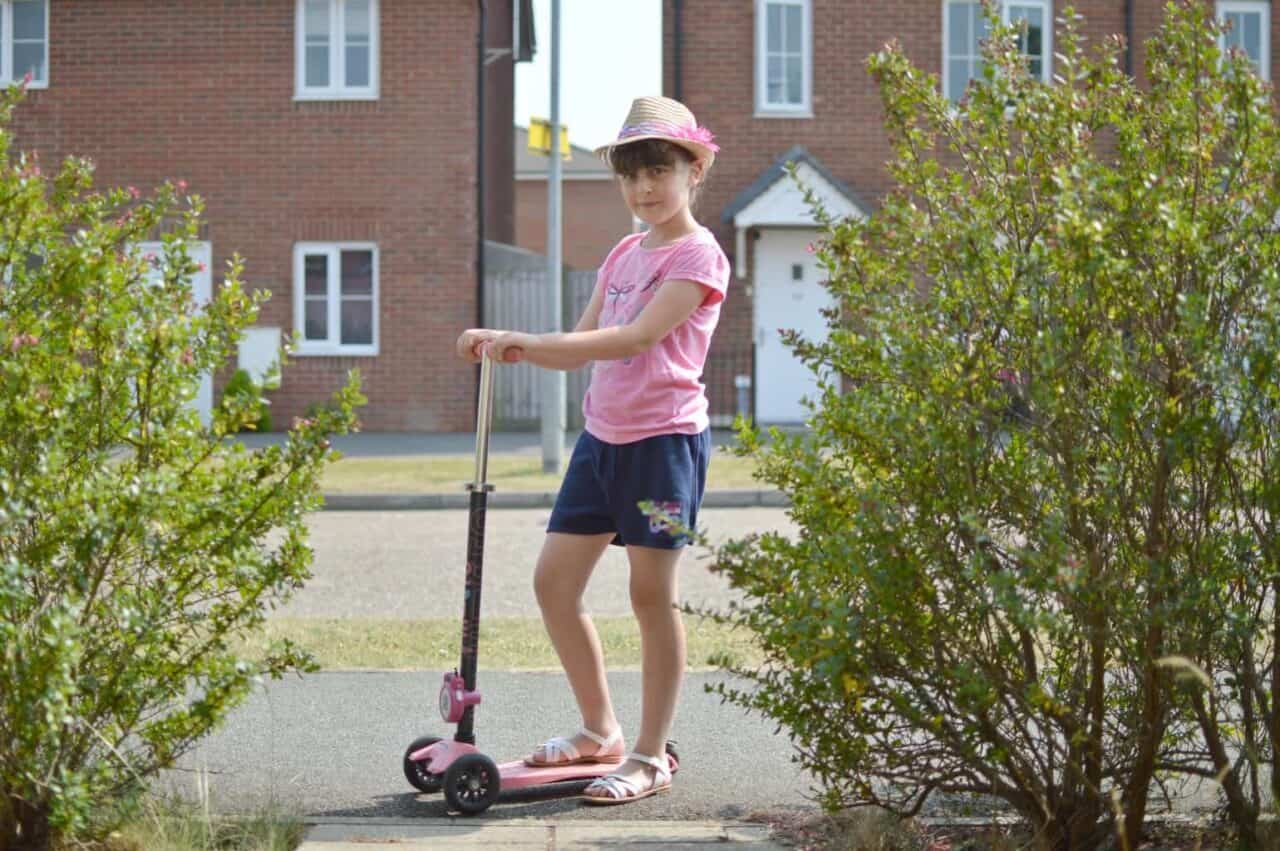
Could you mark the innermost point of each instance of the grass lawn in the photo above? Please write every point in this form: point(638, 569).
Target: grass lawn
point(449, 473)
point(505, 643)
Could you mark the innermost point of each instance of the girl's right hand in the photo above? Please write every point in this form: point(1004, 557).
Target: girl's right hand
point(471, 342)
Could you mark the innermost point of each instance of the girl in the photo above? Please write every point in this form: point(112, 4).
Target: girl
point(646, 328)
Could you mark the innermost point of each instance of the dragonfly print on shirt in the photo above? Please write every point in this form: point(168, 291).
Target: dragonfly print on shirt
point(631, 311)
point(617, 293)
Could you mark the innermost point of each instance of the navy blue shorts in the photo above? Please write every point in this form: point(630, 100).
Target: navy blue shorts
point(606, 482)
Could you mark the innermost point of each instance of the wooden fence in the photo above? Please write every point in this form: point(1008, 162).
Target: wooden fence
point(515, 298)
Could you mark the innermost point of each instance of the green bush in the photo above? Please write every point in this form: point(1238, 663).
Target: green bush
point(135, 543)
point(241, 387)
point(1040, 484)
point(315, 409)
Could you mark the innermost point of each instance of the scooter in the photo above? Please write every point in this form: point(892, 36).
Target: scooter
point(470, 780)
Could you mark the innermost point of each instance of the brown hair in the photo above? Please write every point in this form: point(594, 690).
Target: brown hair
point(627, 160)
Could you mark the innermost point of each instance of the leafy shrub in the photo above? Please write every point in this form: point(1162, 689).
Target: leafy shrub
point(135, 543)
point(1040, 485)
point(241, 386)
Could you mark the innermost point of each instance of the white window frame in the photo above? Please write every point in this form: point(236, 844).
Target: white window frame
point(1259, 7)
point(1046, 9)
point(333, 344)
point(764, 109)
point(6, 46)
point(337, 88)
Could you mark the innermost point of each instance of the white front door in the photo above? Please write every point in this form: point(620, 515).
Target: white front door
point(787, 296)
point(202, 290)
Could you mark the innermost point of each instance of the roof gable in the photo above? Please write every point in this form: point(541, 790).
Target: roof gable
point(775, 199)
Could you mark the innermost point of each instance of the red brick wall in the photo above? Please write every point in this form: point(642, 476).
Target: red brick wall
point(594, 218)
point(845, 132)
point(203, 90)
point(499, 126)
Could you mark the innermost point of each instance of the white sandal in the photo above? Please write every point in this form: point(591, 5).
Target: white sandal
point(619, 790)
point(553, 749)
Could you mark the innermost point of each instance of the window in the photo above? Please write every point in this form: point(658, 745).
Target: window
point(24, 41)
point(335, 298)
point(337, 49)
point(784, 58)
point(964, 27)
point(1248, 25)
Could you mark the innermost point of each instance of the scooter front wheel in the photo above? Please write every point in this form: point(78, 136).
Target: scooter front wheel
point(471, 784)
point(415, 771)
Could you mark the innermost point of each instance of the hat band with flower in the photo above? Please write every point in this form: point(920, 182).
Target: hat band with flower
point(668, 120)
point(651, 129)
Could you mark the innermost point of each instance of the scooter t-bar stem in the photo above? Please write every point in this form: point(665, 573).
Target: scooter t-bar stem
point(475, 555)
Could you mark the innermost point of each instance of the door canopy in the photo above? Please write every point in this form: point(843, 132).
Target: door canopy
point(776, 200)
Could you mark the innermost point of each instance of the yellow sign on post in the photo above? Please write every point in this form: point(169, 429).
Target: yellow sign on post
point(540, 137)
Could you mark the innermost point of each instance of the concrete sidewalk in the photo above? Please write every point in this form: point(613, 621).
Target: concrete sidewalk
point(539, 834)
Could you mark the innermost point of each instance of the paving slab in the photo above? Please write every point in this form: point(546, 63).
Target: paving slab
point(545, 835)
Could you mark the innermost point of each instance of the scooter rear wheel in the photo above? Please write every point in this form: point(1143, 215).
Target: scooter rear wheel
point(471, 784)
point(415, 771)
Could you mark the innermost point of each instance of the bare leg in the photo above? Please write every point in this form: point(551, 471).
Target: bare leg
point(654, 593)
point(564, 566)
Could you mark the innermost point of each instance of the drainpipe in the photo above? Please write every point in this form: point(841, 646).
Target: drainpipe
point(1128, 37)
point(677, 60)
point(480, 43)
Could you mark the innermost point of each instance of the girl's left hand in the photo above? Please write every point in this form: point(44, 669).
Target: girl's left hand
point(508, 347)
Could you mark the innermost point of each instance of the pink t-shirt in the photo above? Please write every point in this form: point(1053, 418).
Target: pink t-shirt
point(658, 392)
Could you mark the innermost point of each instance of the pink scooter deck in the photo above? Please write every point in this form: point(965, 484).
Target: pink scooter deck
point(517, 775)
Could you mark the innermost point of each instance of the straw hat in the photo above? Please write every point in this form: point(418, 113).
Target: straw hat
point(663, 118)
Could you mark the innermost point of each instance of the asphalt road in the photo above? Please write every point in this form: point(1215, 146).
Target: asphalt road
point(332, 744)
point(411, 564)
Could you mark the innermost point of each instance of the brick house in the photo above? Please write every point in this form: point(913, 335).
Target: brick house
point(780, 80)
point(335, 145)
point(593, 215)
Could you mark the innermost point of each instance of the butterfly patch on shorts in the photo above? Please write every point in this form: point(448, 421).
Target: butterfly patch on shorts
point(658, 522)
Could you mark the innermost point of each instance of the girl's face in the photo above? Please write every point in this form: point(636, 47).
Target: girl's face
point(657, 193)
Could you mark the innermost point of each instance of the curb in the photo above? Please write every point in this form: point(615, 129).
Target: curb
point(535, 499)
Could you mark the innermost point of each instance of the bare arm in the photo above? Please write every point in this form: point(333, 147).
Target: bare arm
point(590, 319)
point(588, 322)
